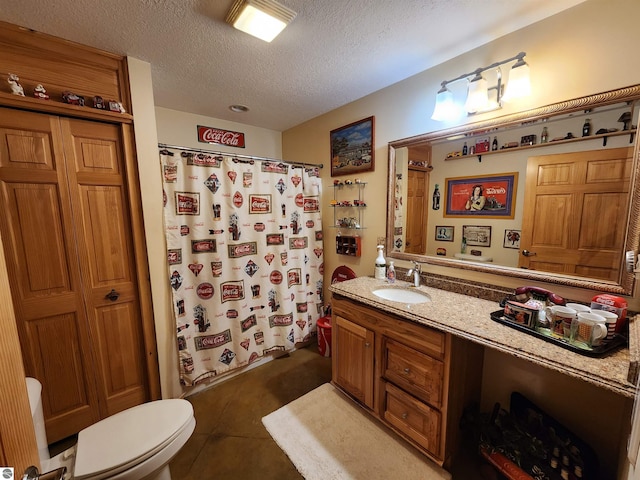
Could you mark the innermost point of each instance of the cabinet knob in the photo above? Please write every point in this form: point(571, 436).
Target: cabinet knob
point(406, 370)
point(367, 344)
point(405, 415)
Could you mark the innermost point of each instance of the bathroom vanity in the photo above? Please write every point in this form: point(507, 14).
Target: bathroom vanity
point(416, 366)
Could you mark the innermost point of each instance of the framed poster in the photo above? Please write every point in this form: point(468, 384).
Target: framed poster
point(477, 235)
point(352, 149)
point(488, 196)
point(512, 239)
point(444, 234)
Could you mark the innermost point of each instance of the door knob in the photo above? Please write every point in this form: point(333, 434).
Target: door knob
point(527, 253)
point(112, 295)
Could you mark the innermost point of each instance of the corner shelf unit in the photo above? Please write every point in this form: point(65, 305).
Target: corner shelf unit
point(347, 213)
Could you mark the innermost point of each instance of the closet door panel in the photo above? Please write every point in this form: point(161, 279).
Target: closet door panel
point(55, 342)
point(41, 253)
point(106, 260)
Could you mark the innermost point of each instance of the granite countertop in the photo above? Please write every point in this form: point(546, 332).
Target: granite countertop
point(469, 317)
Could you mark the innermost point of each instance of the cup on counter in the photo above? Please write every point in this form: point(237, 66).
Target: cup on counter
point(590, 328)
point(611, 319)
point(578, 307)
point(560, 319)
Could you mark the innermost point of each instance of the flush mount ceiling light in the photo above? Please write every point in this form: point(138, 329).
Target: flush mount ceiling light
point(238, 108)
point(480, 96)
point(263, 19)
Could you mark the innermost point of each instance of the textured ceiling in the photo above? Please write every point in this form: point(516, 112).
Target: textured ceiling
point(334, 52)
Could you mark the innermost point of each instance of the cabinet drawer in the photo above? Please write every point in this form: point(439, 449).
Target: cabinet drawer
point(413, 418)
point(415, 372)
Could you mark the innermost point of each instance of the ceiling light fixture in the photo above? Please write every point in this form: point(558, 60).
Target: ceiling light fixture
point(478, 92)
point(238, 108)
point(263, 19)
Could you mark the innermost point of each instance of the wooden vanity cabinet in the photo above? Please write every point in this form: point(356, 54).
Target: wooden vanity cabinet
point(415, 379)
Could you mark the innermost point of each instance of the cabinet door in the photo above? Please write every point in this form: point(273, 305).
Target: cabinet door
point(67, 240)
point(95, 169)
point(44, 274)
point(353, 350)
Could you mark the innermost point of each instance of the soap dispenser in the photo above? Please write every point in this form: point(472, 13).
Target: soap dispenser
point(380, 268)
point(391, 273)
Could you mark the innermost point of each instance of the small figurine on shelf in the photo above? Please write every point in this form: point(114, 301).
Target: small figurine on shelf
point(98, 103)
point(14, 82)
point(72, 99)
point(40, 92)
point(115, 106)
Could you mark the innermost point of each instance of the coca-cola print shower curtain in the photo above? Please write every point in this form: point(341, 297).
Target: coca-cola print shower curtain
point(244, 250)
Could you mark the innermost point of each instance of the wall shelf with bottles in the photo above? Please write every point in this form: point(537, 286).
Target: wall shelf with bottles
point(588, 124)
point(348, 210)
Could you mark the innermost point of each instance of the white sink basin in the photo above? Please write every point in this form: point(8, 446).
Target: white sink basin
point(402, 295)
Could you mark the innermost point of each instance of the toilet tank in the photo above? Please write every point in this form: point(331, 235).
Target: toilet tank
point(34, 390)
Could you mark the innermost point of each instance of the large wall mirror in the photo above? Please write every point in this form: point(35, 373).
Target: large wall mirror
point(550, 194)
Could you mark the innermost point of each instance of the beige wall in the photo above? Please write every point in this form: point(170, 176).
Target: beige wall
point(581, 51)
point(577, 52)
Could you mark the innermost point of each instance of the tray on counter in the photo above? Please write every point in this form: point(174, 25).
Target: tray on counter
point(601, 350)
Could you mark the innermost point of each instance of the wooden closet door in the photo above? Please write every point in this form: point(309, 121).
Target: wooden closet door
point(44, 273)
point(95, 166)
point(68, 245)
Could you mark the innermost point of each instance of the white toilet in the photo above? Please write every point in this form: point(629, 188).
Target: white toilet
point(135, 444)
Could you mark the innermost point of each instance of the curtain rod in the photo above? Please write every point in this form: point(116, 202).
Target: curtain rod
point(250, 157)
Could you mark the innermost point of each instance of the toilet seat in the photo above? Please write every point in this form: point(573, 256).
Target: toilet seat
point(124, 445)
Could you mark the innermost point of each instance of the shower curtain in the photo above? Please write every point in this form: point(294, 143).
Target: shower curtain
point(245, 257)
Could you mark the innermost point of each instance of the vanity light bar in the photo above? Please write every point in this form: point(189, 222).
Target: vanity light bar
point(478, 91)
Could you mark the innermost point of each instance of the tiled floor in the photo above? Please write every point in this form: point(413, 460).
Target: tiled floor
point(229, 441)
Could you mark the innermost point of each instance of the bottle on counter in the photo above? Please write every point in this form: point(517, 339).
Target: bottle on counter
point(463, 247)
point(544, 137)
point(391, 273)
point(380, 272)
point(494, 145)
point(586, 128)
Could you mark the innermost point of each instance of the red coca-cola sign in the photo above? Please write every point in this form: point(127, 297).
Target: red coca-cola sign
point(275, 277)
point(205, 291)
point(220, 137)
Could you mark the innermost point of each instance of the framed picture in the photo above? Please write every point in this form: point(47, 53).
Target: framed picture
point(352, 149)
point(444, 234)
point(477, 235)
point(511, 239)
point(488, 196)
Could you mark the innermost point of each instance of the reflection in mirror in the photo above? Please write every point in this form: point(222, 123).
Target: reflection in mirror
point(548, 194)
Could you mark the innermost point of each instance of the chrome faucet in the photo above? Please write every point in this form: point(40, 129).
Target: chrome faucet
point(415, 271)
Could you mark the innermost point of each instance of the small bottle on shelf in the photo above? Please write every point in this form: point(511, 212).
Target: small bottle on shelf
point(586, 128)
point(494, 145)
point(465, 150)
point(544, 137)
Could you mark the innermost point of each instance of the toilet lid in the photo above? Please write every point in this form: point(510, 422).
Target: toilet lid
point(129, 437)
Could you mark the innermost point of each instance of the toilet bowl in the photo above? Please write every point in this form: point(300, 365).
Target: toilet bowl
point(135, 444)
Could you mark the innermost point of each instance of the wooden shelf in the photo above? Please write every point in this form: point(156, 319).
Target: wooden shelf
point(617, 133)
point(60, 108)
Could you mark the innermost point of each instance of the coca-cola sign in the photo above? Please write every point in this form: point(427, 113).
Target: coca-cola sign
point(260, 203)
point(220, 137)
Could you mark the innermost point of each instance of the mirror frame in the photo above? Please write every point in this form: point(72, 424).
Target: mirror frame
point(632, 237)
